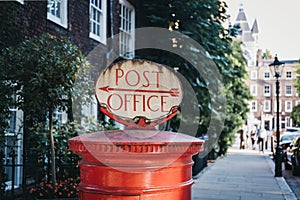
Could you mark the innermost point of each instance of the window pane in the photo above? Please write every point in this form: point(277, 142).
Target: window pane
point(13, 121)
point(126, 35)
point(57, 11)
point(98, 30)
point(267, 75)
point(288, 89)
point(96, 17)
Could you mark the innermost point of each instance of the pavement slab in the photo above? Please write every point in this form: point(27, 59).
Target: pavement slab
point(243, 175)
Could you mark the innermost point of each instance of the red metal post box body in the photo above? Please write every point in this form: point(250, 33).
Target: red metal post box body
point(135, 164)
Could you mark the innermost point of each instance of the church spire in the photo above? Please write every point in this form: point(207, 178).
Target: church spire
point(248, 36)
point(254, 29)
point(241, 17)
point(241, 9)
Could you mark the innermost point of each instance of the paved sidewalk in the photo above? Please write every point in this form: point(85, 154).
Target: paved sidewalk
point(241, 175)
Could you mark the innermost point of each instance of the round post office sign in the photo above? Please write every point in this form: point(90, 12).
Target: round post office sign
point(139, 92)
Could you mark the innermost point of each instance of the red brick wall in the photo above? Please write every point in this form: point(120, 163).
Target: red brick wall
point(22, 21)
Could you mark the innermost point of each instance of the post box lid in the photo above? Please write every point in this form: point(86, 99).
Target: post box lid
point(142, 141)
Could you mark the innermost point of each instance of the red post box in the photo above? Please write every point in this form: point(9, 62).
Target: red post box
point(140, 163)
point(135, 164)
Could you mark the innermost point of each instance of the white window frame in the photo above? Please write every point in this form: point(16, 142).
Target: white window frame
point(253, 106)
point(58, 115)
point(267, 77)
point(267, 94)
point(289, 77)
point(267, 106)
point(8, 160)
point(288, 121)
point(12, 127)
point(99, 7)
point(12, 117)
point(290, 108)
point(13, 134)
point(63, 19)
point(286, 90)
point(127, 27)
point(253, 90)
point(253, 75)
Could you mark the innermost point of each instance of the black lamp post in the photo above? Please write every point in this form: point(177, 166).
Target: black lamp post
point(278, 67)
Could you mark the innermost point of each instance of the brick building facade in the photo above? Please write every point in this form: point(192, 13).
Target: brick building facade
point(261, 82)
point(87, 24)
point(263, 106)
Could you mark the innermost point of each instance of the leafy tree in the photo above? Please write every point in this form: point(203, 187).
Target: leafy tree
point(6, 101)
point(295, 115)
point(267, 55)
point(67, 161)
point(45, 71)
point(297, 85)
point(203, 21)
point(237, 94)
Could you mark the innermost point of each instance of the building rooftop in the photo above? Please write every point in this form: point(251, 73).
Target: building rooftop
point(241, 15)
point(254, 27)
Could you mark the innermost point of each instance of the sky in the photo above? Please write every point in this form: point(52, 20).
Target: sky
point(278, 24)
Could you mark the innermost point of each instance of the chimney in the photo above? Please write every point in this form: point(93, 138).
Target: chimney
point(259, 57)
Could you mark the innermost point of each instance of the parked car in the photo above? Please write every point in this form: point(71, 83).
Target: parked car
point(285, 140)
point(293, 156)
point(292, 129)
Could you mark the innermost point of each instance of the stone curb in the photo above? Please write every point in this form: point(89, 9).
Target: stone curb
point(285, 188)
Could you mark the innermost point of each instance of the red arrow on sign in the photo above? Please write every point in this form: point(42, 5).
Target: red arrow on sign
point(173, 92)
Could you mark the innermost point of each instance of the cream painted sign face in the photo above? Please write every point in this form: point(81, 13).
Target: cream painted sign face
point(138, 89)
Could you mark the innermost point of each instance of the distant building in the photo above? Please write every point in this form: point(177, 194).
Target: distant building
point(261, 81)
point(263, 107)
point(248, 36)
